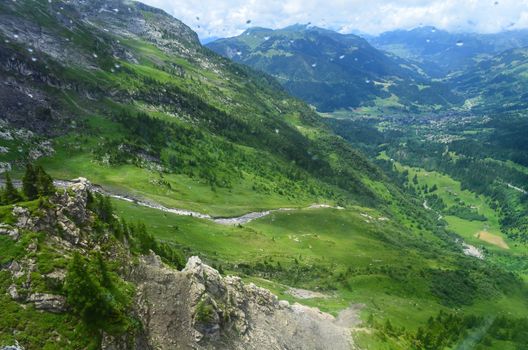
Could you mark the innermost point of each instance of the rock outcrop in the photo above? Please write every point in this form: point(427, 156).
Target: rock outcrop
point(197, 308)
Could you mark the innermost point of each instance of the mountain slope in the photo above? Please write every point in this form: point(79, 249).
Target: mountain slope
point(124, 94)
point(97, 283)
point(440, 52)
point(497, 84)
point(163, 102)
point(333, 71)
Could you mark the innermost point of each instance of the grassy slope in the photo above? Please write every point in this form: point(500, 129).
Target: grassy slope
point(389, 260)
point(388, 267)
point(450, 191)
point(246, 100)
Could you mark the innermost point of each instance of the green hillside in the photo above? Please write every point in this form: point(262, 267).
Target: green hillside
point(498, 83)
point(333, 71)
point(440, 52)
point(124, 95)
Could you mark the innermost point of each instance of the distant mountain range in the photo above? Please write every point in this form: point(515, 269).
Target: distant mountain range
point(441, 52)
point(415, 70)
point(499, 83)
point(335, 71)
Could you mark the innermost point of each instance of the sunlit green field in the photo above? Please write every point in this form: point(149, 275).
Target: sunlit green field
point(317, 249)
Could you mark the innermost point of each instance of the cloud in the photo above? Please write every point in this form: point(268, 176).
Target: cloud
point(223, 18)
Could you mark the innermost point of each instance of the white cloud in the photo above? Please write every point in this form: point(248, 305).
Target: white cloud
point(224, 18)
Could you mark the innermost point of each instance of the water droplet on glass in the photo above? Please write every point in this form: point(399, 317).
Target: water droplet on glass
point(266, 38)
point(95, 55)
point(367, 81)
point(460, 43)
point(30, 50)
point(248, 21)
point(15, 36)
point(341, 57)
point(197, 18)
point(33, 59)
point(428, 40)
point(314, 65)
point(117, 66)
point(116, 10)
point(276, 131)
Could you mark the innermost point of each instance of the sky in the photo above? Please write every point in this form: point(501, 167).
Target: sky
point(225, 18)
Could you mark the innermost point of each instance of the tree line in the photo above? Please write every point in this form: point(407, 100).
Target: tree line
point(36, 183)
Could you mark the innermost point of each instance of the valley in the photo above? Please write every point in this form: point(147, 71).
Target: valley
point(384, 202)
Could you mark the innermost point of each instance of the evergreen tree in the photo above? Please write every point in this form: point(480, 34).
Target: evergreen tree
point(44, 183)
point(105, 279)
point(106, 211)
point(10, 195)
point(84, 294)
point(144, 240)
point(29, 183)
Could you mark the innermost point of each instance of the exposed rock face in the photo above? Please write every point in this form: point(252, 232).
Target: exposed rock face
point(195, 308)
point(67, 212)
point(9, 231)
point(198, 308)
point(48, 302)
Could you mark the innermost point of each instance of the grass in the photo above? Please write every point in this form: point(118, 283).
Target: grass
point(321, 245)
point(498, 248)
point(36, 329)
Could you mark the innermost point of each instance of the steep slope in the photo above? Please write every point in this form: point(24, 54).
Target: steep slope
point(333, 71)
point(163, 103)
point(121, 295)
point(440, 52)
point(498, 84)
point(125, 95)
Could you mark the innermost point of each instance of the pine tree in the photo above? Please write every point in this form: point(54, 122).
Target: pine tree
point(415, 179)
point(29, 183)
point(106, 210)
point(44, 183)
point(10, 195)
point(105, 279)
point(84, 294)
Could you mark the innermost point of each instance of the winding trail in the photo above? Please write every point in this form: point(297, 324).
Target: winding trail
point(237, 220)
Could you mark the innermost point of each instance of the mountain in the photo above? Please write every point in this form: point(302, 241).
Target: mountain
point(212, 311)
point(498, 84)
point(163, 102)
point(440, 52)
point(334, 71)
point(188, 155)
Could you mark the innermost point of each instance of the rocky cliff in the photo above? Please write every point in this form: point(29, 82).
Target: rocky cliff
point(195, 308)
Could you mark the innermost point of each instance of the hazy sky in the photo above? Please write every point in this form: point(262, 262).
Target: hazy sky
point(224, 18)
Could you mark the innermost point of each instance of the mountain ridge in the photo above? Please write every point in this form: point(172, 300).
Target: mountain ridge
point(333, 70)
